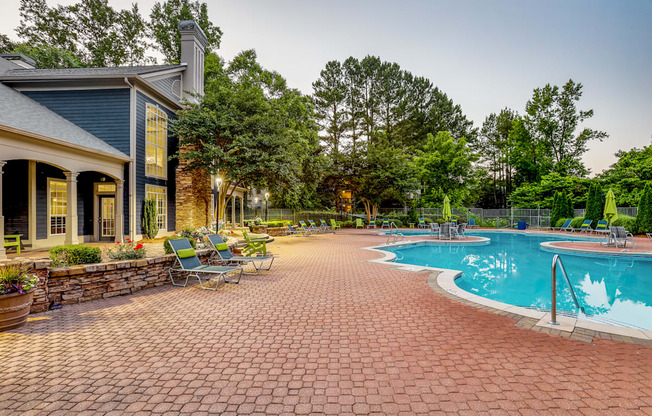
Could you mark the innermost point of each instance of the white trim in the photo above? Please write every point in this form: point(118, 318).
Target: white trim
point(158, 100)
point(133, 104)
point(158, 113)
point(165, 191)
point(155, 76)
point(98, 87)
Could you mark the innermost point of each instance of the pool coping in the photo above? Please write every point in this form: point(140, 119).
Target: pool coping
point(443, 281)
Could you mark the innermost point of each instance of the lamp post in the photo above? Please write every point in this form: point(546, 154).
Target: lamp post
point(266, 208)
point(218, 182)
point(255, 207)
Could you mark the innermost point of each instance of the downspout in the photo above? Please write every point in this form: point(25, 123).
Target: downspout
point(132, 164)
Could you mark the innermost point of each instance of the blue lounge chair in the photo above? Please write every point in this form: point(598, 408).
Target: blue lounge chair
point(310, 227)
point(385, 223)
point(314, 225)
point(601, 227)
point(372, 223)
point(325, 225)
point(565, 227)
point(301, 232)
point(422, 223)
point(585, 227)
point(472, 224)
point(226, 258)
point(188, 263)
point(305, 227)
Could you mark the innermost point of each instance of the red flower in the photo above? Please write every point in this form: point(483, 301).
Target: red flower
point(128, 240)
point(232, 232)
point(117, 242)
point(138, 247)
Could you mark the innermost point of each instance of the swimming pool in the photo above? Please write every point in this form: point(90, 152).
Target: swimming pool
point(513, 269)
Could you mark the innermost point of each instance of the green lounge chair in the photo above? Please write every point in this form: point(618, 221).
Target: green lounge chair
point(565, 227)
point(334, 225)
point(226, 258)
point(385, 223)
point(359, 223)
point(422, 223)
point(372, 223)
point(188, 263)
point(253, 246)
point(585, 227)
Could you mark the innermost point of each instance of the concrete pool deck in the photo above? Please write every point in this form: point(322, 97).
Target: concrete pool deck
point(324, 332)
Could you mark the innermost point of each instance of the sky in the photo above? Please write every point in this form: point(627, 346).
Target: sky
point(485, 55)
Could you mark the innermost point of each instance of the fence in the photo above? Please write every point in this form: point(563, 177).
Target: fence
point(278, 214)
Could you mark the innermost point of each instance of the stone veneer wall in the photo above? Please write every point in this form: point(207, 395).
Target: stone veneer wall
point(68, 285)
point(193, 197)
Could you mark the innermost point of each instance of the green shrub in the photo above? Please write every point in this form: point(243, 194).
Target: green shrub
point(168, 248)
point(396, 221)
point(347, 224)
point(594, 204)
point(628, 222)
point(74, 254)
point(440, 221)
point(411, 216)
point(150, 217)
point(428, 220)
point(555, 213)
point(125, 251)
point(644, 215)
point(577, 222)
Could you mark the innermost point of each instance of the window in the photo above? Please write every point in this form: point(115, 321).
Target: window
point(160, 194)
point(58, 191)
point(156, 139)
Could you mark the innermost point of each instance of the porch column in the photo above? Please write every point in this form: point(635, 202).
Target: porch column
point(72, 223)
point(3, 252)
point(119, 210)
point(233, 212)
point(31, 202)
point(242, 211)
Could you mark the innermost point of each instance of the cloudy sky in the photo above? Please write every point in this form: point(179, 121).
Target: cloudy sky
point(486, 55)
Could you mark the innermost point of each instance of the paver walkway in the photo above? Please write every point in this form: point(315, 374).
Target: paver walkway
point(324, 332)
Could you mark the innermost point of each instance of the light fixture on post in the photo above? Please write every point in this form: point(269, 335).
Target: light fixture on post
point(266, 208)
point(255, 207)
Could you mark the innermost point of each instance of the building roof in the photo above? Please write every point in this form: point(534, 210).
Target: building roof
point(20, 112)
point(117, 71)
point(6, 65)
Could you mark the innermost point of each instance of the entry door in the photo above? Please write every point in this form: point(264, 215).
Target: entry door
point(107, 218)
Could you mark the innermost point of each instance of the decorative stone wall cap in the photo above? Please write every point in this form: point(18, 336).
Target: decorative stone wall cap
point(42, 264)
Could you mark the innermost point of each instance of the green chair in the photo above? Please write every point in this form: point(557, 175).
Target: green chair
point(226, 258)
point(372, 223)
point(334, 225)
point(188, 263)
point(14, 243)
point(359, 223)
point(254, 246)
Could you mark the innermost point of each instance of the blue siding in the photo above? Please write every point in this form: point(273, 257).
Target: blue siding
point(103, 113)
point(165, 85)
point(141, 108)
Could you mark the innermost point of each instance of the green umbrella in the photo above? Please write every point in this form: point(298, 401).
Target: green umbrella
point(446, 213)
point(610, 209)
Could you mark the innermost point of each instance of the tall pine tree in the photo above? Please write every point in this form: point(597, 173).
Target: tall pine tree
point(644, 215)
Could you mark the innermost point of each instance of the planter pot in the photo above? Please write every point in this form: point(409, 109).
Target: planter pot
point(14, 309)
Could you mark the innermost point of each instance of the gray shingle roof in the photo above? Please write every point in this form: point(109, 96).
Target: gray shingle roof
point(6, 66)
point(87, 72)
point(21, 112)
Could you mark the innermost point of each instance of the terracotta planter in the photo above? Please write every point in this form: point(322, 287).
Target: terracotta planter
point(14, 309)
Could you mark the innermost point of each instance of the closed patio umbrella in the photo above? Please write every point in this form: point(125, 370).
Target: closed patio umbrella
point(446, 213)
point(610, 209)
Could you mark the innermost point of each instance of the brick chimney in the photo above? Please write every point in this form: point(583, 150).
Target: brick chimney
point(193, 43)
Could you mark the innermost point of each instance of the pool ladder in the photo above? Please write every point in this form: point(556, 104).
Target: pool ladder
point(396, 236)
point(553, 310)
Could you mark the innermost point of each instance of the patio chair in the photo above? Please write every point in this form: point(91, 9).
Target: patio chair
point(422, 223)
point(472, 224)
point(325, 225)
point(445, 231)
point(188, 263)
point(585, 227)
point(359, 223)
point(226, 258)
point(334, 225)
point(461, 230)
point(253, 246)
point(314, 226)
point(619, 237)
point(434, 228)
point(372, 223)
point(385, 223)
point(564, 226)
point(301, 232)
point(601, 227)
point(313, 229)
point(649, 235)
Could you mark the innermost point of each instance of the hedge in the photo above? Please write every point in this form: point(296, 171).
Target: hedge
point(74, 254)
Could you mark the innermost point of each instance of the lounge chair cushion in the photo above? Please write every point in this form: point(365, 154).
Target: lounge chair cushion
point(186, 252)
point(222, 247)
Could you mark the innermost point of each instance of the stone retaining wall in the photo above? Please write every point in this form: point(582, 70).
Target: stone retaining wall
point(68, 285)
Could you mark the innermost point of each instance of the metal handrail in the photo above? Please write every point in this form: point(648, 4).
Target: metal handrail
point(392, 234)
point(553, 310)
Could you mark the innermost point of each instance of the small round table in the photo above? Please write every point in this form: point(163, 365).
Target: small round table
point(411, 224)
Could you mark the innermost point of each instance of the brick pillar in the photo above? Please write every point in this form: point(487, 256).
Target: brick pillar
point(193, 199)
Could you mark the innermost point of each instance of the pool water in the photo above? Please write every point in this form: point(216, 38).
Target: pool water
point(513, 269)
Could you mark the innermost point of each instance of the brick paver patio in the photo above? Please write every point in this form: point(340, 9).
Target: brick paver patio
point(323, 332)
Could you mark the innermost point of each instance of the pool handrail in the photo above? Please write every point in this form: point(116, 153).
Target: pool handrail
point(553, 309)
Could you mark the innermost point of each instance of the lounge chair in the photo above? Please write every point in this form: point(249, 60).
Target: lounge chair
point(372, 223)
point(312, 228)
point(385, 223)
point(422, 223)
point(601, 227)
point(226, 258)
point(292, 231)
point(472, 224)
point(334, 225)
point(188, 263)
point(325, 225)
point(585, 227)
point(619, 237)
point(254, 246)
point(649, 235)
point(359, 223)
point(445, 231)
point(434, 228)
point(565, 227)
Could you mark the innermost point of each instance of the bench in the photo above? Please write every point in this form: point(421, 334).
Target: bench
point(14, 243)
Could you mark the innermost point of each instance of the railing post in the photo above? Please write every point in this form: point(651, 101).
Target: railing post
point(553, 307)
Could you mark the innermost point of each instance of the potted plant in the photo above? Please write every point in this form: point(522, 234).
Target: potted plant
point(16, 291)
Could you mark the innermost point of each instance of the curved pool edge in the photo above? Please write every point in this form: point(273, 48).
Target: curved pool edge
point(444, 280)
point(553, 247)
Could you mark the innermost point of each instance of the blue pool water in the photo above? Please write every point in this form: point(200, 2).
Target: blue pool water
point(513, 269)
